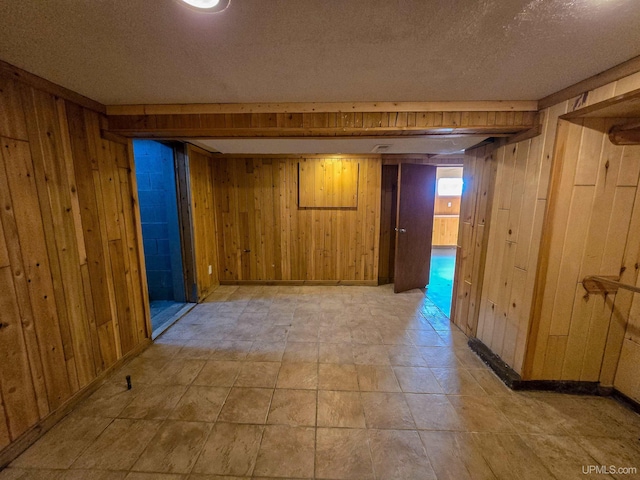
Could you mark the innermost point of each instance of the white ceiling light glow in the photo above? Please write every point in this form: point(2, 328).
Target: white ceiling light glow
point(210, 6)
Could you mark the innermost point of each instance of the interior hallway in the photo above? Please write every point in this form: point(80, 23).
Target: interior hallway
point(324, 382)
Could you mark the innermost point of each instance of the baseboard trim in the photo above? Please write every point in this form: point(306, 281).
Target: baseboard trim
point(28, 438)
point(513, 380)
point(365, 283)
point(627, 401)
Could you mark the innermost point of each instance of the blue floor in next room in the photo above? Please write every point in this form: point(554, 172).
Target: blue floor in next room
point(440, 288)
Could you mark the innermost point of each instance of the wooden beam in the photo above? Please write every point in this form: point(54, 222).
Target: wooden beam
point(321, 124)
point(14, 73)
point(527, 134)
point(611, 75)
point(627, 134)
point(344, 107)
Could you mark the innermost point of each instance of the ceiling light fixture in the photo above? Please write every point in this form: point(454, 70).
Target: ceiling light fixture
point(208, 6)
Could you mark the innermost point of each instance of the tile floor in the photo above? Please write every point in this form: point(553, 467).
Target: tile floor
point(324, 382)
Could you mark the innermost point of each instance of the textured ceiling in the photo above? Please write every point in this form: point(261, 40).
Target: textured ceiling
point(157, 51)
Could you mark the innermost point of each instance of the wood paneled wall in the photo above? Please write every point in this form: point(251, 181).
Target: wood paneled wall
point(205, 237)
point(265, 236)
point(512, 255)
point(71, 285)
point(593, 229)
point(532, 244)
point(478, 176)
point(445, 231)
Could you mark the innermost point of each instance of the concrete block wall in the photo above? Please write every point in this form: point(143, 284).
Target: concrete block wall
point(158, 210)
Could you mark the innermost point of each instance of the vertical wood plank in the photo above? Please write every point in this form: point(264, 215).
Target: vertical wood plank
point(19, 176)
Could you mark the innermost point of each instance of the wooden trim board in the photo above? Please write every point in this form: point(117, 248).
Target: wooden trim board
point(312, 107)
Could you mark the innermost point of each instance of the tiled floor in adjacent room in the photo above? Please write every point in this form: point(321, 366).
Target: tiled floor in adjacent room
point(324, 382)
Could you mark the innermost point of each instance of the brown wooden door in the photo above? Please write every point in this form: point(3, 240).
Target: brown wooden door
point(414, 226)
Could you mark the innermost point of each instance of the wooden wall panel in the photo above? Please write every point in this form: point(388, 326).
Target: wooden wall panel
point(330, 184)
point(71, 284)
point(205, 239)
point(593, 229)
point(479, 175)
point(445, 230)
point(265, 236)
point(516, 216)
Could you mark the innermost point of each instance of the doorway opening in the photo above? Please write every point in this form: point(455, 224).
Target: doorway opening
point(438, 241)
point(161, 227)
point(446, 220)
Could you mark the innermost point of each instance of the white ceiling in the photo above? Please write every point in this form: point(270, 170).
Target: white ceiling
point(427, 145)
point(156, 51)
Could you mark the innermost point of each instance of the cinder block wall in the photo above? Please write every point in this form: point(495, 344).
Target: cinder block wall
point(157, 192)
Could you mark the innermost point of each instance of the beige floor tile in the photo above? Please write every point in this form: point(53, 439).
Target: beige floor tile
point(108, 401)
point(455, 456)
point(174, 448)
point(119, 446)
point(455, 381)
point(468, 358)
point(153, 402)
point(333, 376)
point(399, 454)
point(442, 357)
point(246, 405)
point(370, 355)
point(480, 414)
point(60, 447)
point(366, 336)
point(27, 474)
point(200, 404)
point(218, 374)
point(178, 372)
point(377, 378)
point(231, 449)
point(293, 407)
point(528, 415)
point(153, 476)
point(141, 370)
point(417, 380)
point(619, 452)
point(562, 456)
point(356, 358)
point(305, 333)
point(266, 352)
point(340, 409)
point(386, 410)
point(298, 376)
point(343, 453)
point(286, 452)
point(232, 350)
point(335, 353)
point(258, 374)
point(300, 352)
point(406, 356)
point(489, 382)
point(334, 334)
point(425, 338)
point(510, 457)
point(97, 475)
point(433, 412)
point(199, 349)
